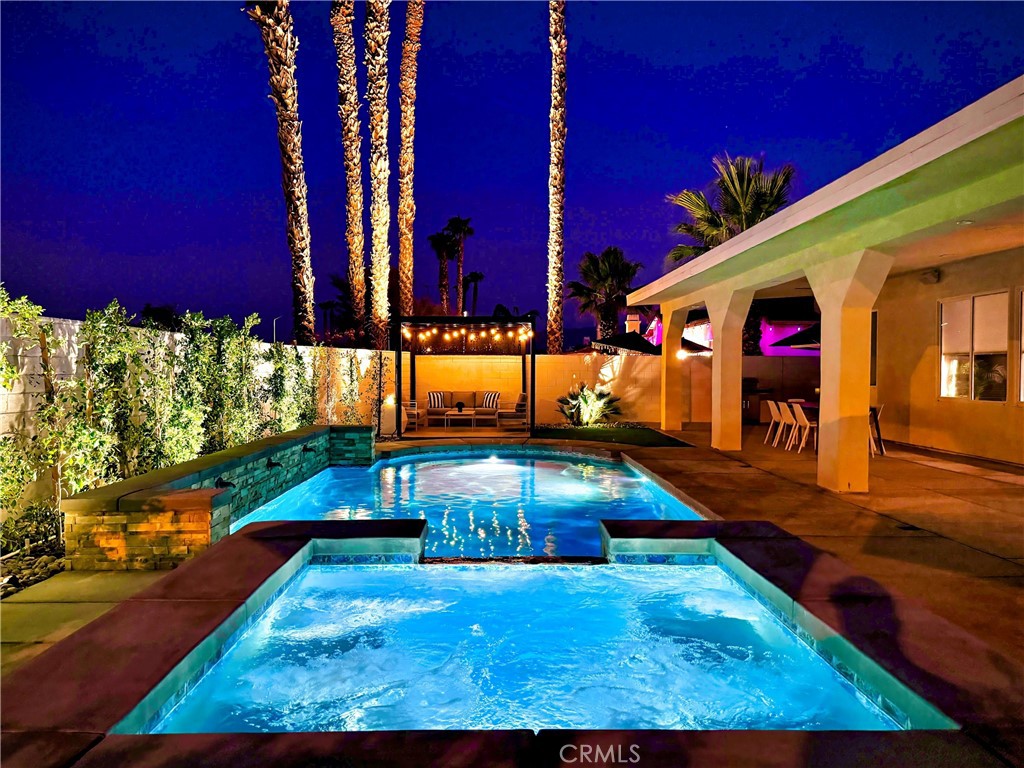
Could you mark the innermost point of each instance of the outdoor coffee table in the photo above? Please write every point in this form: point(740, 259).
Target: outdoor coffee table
point(465, 413)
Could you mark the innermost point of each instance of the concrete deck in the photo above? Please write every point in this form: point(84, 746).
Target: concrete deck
point(37, 617)
point(944, 530)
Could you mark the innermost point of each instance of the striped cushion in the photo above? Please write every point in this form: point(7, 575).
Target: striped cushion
point(491, 399)
point(435, 399)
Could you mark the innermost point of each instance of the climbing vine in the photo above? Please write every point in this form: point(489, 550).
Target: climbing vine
point(140, 399)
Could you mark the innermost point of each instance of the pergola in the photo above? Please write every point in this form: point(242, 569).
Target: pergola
point(464, 335)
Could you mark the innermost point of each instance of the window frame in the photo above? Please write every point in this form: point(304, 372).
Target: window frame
point(971, 297)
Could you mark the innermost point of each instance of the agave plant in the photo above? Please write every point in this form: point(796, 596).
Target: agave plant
point(584, 407)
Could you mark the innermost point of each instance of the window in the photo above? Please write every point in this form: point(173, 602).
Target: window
point(974, 347)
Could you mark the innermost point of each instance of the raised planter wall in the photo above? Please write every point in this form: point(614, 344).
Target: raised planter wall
point(162, 518)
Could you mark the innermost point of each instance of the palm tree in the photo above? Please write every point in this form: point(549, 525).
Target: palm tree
point(556, 174)
point(458, 229)
point(377, 34)
point(342, 14)
point(473, 279)
point(742, 195)
point(407, 130)
point(280, 43)
point(443, 246)
point(605, 281)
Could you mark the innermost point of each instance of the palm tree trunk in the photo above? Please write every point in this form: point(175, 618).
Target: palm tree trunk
point(442, 284)
point(556, 175)
point(607, 322)
point(377, 34)
point(407, 130)
point(342, 14)
point(476, 291)
point(279, 41)
point(460, 289)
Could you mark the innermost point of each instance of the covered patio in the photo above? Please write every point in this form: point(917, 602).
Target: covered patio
point(952, 193)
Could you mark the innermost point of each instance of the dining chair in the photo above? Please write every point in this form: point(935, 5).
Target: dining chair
point(804, 427)
point(875, 431)
point(776, 422)
point(787, 426)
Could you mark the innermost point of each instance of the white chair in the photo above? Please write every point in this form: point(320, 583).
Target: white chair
point(788, 425)
point(776, 422)
point(803, 428)
point(415, 415)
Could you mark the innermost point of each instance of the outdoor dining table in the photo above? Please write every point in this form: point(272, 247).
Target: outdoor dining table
point(872, 415)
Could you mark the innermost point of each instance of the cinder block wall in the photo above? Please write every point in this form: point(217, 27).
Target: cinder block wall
point(160, 519)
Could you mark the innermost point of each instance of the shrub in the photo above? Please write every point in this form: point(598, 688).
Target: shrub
point(584, 407)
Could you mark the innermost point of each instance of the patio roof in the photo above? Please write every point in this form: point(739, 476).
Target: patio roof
point(951, 192)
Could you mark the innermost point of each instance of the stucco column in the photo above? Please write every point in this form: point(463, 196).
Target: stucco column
point(727, 309)
point(673, 321)
point(845, 289)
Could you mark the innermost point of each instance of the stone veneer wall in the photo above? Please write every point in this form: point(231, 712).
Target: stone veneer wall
point(160, 519)
point(351, 445)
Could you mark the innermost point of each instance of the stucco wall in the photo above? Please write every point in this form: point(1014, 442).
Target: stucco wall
point(636, 379)
point(908, 362)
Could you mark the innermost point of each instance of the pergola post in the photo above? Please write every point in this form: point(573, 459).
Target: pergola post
point(845, 289)
point(727, 309)
point(396, 345)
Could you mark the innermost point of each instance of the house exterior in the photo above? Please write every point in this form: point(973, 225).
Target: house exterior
point(921, 249)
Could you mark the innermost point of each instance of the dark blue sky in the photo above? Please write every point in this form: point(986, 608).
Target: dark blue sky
point(139, 157)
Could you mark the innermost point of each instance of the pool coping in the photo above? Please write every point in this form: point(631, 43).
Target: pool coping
point(56, 714)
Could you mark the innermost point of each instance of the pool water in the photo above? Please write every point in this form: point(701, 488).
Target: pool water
point(484, 506)
point(367, 648)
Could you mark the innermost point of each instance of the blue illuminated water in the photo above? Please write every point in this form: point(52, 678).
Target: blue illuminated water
point(510, 646)
point(484, 506)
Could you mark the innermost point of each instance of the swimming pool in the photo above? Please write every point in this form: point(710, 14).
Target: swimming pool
point(370, 648)
point(484, 504)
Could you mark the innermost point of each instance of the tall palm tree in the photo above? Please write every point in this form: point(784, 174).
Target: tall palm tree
point(556, 174)
point(473, 279)
point(342, 14)
point(280, 43)
point(742, 195)
point(407, 130)
point(443, 247)
point(458, 229)
point(605, 281)
point(377, 34)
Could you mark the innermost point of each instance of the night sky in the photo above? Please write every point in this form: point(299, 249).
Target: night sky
point(139, 156)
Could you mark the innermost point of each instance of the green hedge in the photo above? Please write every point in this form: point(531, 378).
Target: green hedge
point(142, 399)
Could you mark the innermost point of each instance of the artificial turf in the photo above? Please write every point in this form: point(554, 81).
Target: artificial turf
point(641, 436)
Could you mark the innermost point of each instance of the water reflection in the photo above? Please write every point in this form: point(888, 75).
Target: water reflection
point(483, 507)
